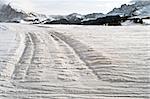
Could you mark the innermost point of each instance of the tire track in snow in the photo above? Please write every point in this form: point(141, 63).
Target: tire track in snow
point(71, 65)
point(56, 57)
point(25, 60)
point(93, 59)
point(40, 61)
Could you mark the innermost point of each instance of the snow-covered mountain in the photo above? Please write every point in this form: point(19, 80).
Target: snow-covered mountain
point(124, 10)
point(138, 7)
point(7, 13)
point(73, 18)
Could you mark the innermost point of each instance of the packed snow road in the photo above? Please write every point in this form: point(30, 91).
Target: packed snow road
point(74, 62)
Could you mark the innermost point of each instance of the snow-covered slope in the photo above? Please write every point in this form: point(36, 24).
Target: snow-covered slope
point(74, 62)
point(144, 11)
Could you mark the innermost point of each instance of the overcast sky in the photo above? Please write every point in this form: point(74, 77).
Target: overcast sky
point(54, 7)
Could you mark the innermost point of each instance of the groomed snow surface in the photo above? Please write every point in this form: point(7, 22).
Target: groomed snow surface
point(74, 62)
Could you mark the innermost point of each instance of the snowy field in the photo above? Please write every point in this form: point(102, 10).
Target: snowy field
point(74, 62)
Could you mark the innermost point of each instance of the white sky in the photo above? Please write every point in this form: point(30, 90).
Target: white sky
point(54, 7)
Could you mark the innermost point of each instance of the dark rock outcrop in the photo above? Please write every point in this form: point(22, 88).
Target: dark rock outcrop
point(108, 20)
point(60, 21)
